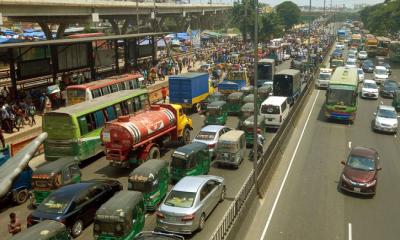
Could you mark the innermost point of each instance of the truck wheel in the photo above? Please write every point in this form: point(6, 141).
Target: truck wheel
point(154, 153)
point(185, 139)
point(197, 107)
point(21, 196)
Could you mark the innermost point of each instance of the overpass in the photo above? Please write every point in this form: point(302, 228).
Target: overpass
point(121, 14)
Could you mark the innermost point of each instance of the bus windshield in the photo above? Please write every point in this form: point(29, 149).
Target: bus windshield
point(76, 95)
point(345, 97)
point(264, 71)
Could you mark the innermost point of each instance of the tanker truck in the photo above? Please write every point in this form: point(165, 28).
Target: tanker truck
point(130, 140)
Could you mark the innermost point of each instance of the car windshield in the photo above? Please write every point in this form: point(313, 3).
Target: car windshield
point(204, 135)
point(381, 71)
point(360, 71)
point(270, 109)
point(361, 163)
point(180, 199)
point(351, 63)
point(324, 76)
point(370, 85)
point(351, 55)
point(54, 204)
point(363, 53)
point(385, 113)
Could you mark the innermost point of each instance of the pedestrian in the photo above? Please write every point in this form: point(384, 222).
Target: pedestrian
point(164, 94)
point(14, 226)
point(3, 142)
point(31, 113)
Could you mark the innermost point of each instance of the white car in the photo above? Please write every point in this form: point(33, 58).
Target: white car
point(380, 74)
point(385, 119)
point(324, 77)
point(209, 135)
point(340, 45)
point(362, 55)
point(369, 89)
point(351, 56)
point(351, 62)
point(361, 75)
point(353, 52)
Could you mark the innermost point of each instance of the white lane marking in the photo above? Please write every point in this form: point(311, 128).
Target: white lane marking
point(288, 170)
point(350, 232)
point(395, 136)
point(349, 145)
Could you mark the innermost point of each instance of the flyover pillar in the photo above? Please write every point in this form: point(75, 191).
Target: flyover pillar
point(11, 62)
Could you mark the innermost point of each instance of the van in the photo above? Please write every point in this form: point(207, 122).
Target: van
point(275, 110)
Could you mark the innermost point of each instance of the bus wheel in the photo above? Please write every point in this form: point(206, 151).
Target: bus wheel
point(21, 196)
point(154, 153)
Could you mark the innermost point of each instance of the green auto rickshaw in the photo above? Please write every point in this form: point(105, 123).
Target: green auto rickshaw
point(263, 93)
point(53, 175)
point(246, 111)
point(216, 96)
point(248, 127)
point(396, 100)
point(231, 148)
point(151, 178)
point(247, 90)
point(216, 114)
point(121, 217)
point(190, 160)
point(248, 99)
point(234, 102)
point(45, 230)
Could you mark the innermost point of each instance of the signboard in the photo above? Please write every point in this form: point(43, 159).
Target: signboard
point(33, 68)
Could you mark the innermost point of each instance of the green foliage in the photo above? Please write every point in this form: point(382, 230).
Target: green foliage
point(289, 12)
point(243, 15)
point(271, 26)
point(382, 19)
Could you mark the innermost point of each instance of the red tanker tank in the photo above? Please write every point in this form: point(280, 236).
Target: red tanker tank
point(130, 132)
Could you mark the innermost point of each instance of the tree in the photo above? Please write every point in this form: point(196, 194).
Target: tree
point(289, 12)
point(271, 26)
point(243, 17)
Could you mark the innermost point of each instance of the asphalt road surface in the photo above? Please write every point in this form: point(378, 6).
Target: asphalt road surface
point(303, 201)
point(98, 168)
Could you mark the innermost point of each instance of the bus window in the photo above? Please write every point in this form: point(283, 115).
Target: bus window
point(118, 109)
point(83, 125)
point(96, 93)
point(137, 103)
point(136, 83)
point(99, 118)
point(91, 124)
point(121, 86)
point(144, 102)
point(131, 107)
point(105, 90)
point(114, 88)
point(111, 113)
point(131, 85)
point(124, 108)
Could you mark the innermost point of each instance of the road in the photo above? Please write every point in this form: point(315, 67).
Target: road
point(99, 168)
point(303, 202)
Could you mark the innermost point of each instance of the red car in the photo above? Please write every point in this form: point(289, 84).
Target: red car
point(360, 173)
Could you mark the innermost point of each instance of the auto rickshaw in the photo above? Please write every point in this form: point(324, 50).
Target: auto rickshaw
point(231, 148)
point(246, 111)
point(216, 113)
point(247, 90)
point(151, 178)
point(216, 96)
point(263, 93)
point(45, 230)
point(121, 217)
point(248, 126)
point(234, 102)
point(396, 100)
point(248, 99)
point(190, 160)
point(53, 175)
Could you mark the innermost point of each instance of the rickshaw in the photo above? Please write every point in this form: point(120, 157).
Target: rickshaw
point(53, 175)
point(121, 217)
point(234, 102)
point(396, 100)
point(231, 148)
point(216, 96)
point(216, 113)
point(45, 230)
point(263, 93)
point(248, 99)
point(248, 126)
point(190, 160)
point(151, 178)
point(247, 90)
point(246, 111)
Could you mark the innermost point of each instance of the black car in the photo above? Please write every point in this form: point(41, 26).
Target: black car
point(75, 205)
point(389, 88)
point(368, 66)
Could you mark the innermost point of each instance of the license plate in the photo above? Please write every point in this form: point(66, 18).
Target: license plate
point(357, 189)
point(270, 119)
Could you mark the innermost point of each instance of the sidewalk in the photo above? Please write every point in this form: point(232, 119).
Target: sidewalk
point(24, 132)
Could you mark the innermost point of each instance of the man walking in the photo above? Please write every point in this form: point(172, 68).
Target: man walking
point(14, 226)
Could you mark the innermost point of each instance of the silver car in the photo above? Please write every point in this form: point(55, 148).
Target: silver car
point(210, 135)
point(385, 119)
point(189, 203)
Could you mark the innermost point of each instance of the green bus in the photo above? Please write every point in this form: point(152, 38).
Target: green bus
point(394, 51)
point(341, 95)
point(75, 130)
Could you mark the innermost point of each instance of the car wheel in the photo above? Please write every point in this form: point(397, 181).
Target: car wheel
point(21, 196)
point(222, 197)
point(202, 221)
point(77, 228)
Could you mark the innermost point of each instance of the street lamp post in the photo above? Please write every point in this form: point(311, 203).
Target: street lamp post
point(255, 127)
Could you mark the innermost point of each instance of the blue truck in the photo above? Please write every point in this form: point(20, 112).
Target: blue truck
point(189, 89)
point(15, 173)
point(234, 81)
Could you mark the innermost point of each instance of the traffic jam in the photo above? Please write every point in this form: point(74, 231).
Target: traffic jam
point(168, 146)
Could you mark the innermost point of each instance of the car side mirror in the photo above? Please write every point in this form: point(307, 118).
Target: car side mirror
point(342, 162)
